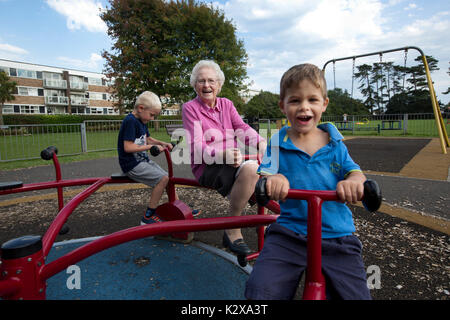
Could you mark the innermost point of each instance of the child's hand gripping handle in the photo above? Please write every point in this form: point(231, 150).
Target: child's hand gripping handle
point(371, 200)
point(154, 151)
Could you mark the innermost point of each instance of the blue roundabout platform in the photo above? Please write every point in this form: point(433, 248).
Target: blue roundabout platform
point(148, 269)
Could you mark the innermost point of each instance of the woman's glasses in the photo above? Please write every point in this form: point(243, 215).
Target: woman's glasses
point(211, 82)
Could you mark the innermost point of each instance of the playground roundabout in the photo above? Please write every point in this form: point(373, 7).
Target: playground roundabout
point(412, 259)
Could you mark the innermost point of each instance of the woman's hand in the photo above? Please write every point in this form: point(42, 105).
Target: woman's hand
point(232, 157)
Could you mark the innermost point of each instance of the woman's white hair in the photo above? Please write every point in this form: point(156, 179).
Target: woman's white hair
point(207, 64)
point(149, 100)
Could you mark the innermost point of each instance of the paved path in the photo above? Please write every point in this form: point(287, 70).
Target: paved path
point(431, 197)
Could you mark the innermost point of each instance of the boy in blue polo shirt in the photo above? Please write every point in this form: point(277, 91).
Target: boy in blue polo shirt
point(306, 155)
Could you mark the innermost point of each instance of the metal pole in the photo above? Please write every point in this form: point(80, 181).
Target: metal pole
point(437, 113)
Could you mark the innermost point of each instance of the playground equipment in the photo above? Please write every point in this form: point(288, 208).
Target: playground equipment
point(315, 281)
point(443, 137)
point(24, 270)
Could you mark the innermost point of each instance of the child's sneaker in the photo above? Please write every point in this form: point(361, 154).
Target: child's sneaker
point(154, 218)
point(196, 213)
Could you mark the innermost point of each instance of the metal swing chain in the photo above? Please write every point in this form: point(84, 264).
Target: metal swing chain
point(353, 74)
point(334, 73)
point(404, 68)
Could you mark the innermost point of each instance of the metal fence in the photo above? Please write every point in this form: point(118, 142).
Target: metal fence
point(19, 142)
point(101, 135)
point(414, 124)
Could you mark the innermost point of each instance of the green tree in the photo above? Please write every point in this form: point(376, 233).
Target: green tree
point(417, 101)
point(448, 89)
point(341, 103)
point(157, 43)
point(418, 77)
point(7, 89)
point(264, 105)
point(363, 76)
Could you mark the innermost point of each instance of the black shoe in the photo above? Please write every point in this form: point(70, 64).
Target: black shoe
point(239, 247)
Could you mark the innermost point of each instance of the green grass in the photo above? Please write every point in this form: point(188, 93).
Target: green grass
point(20, 164)
point(105, 142)
point(416, 128)
point(68, 144)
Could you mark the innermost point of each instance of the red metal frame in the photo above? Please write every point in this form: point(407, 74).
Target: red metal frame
point(29, 281)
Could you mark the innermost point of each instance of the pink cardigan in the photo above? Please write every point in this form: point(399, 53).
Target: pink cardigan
point(209, 130)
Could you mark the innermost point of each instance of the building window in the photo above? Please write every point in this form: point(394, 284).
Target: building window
point(26, 73)
point(8, 109)
point(55, 93)
point(98, 96)
point(12, 72)
point(52, 76)
point(29, 109)
point(28, 91)
point(95, 81)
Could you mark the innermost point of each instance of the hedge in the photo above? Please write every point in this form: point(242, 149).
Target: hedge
point(17, 119)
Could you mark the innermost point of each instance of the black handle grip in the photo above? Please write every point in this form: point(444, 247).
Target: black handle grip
point(154, 151)
point(260, 192)
point(372, 196)
point(371, 200)
point(47, 154)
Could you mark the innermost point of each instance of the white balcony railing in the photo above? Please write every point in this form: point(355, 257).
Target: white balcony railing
point(57, 100)
point(79, 101)
point(81, 86)
point(57, 84)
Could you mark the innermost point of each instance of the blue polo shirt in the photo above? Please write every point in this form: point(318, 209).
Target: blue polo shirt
point(329, 165)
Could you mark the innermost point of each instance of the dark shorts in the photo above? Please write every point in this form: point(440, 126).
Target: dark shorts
point(280, 265)
point(219, 177)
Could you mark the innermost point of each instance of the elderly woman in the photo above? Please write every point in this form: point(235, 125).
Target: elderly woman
point(213, 129)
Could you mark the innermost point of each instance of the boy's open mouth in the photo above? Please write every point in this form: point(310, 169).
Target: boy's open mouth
point(304, 118)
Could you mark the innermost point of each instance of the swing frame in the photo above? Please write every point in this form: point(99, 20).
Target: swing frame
point(443, 137)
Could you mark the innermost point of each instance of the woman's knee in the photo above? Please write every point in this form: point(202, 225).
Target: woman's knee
point(248, 172)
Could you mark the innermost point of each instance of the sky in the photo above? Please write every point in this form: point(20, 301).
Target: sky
point(277, 34)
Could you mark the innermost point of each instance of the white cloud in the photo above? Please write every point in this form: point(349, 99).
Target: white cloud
point(12, 49)
point(10, 52)
point(279, 34)
point(334, 20)
point(411, 6)
point(80, 14)
point(94, 62)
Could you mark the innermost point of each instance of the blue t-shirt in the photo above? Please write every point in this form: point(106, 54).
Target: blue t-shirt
point(132, 129)
point(329, 165)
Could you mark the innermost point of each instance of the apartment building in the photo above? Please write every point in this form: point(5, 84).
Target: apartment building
point(52, 90)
